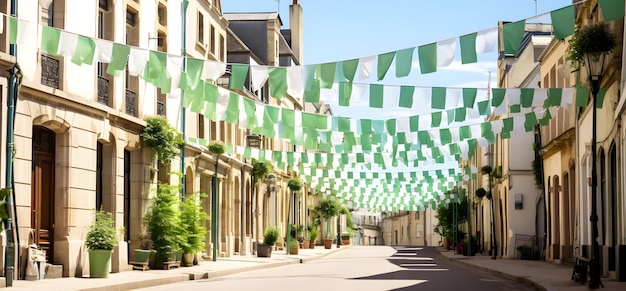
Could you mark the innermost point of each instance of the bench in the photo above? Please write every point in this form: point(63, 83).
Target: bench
point(579, 274)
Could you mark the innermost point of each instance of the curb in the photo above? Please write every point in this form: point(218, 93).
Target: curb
point(190, 276)
point(519, 279)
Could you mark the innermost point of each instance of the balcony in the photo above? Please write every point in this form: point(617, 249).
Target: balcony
point(160, 109)
point(49, 71)
point(131, 107)
point(103, 90)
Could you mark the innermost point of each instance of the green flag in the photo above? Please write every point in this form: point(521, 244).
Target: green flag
point(612, 9)
point(349, 69)
point(238, 76)
point(427, 58)
point(312, 95)
point(582, 95)
point(278, 82)
point(384, 62)
point(406, 96)
point(119, 58)
point(498, 96)
point(376, 95)
point(468, 48)
point(50, 37)
point(345, 92)
point(513, 34)
point(12, 30)
point(438, 98)
point(469, 96)
point(326, 75)
point(404, 62)
point(232, 110)
point(194, 72)
point(85, 49)
point(155, 66)
point(563, 21)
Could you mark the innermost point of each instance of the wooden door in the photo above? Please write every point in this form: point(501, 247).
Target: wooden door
point(42, 194)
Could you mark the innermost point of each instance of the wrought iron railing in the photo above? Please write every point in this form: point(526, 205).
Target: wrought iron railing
point(131, 106)
point(49, 71)
point(160, 109)
point(103, 90)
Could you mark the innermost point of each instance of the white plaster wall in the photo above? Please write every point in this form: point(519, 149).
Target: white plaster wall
point(81, 18)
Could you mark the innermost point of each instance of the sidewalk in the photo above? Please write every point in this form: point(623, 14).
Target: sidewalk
point(129, 280)
point(539, 274)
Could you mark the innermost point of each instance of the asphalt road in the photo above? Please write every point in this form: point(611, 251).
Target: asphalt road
point(361, 268)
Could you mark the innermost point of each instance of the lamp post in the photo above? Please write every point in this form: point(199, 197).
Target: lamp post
point(214, 212)
point(338, 230)
point(488, 170)
point(595, 67)
point(254, 141)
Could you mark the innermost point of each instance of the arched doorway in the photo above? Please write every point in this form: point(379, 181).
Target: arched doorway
point(42, 190)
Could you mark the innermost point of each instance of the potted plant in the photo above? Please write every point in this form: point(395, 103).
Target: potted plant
point(345, 238)
point(101, 239)
point(192, 219)
point(142, 256)
point(294, 246)
point(270, 236)
point(327, 209)
point(162, 221)
point(312, 237)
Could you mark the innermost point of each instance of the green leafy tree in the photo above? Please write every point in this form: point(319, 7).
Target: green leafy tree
point(193, 218)
point(163, 138)
point(163, 220)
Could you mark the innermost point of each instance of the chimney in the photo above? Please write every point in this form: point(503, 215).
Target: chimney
point(295, 25)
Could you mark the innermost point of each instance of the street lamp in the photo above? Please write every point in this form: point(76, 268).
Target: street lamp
point(489, 171)
point(594, 61)
point(254, 141)
point(216, 148)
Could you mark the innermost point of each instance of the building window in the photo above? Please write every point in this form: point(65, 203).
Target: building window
point(162, 14)
point(212, 39)
point(161, 101)
point(200, 126)
point(131, 18)
point(222, 49)
point(417, 215)
point(200, 28)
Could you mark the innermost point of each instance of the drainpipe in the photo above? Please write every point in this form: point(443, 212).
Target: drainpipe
point(182, 94)
point(14, 72)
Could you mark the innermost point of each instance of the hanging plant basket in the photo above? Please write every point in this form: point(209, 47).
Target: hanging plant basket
point(590, 38)
point(216, 147)
point(481, 192)
point(294, 184)
point(161, 136)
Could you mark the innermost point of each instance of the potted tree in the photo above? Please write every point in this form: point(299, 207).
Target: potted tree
point(294, 184)
point(269, 239)
point(162, 221)
point(294, 247)
point(312, 236)
point(101, 238)
point(192, 219)
point(327, 209)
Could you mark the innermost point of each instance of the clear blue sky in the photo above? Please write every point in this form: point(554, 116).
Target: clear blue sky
point(336, 30)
